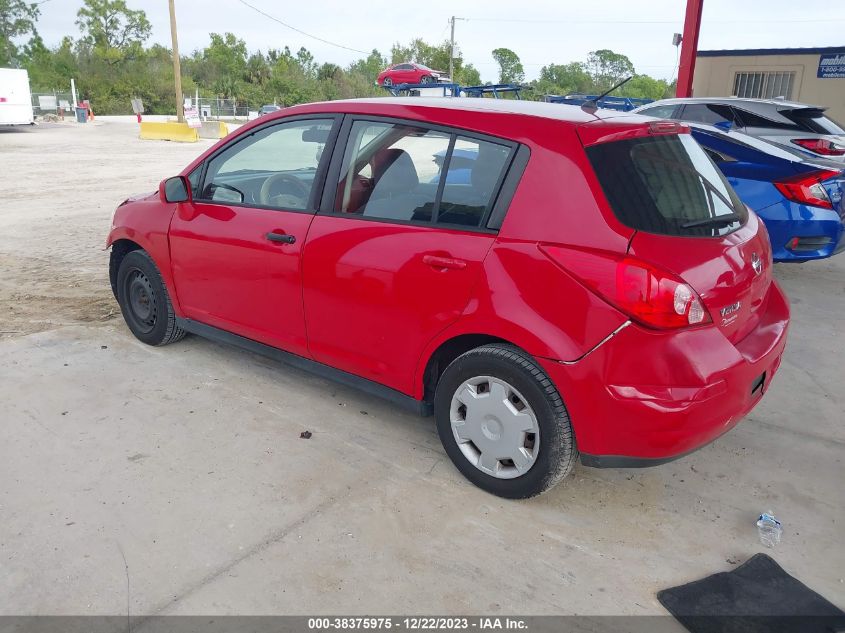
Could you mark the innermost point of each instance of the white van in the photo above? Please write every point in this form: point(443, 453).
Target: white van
point(15, 98)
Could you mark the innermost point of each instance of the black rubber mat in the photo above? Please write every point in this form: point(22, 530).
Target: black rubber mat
point(756, 597)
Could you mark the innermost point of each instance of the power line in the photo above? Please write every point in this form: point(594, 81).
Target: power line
point(293, 28)
point(678, 21)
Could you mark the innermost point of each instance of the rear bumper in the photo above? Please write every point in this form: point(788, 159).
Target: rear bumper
point(647, 397)
point(787, 220)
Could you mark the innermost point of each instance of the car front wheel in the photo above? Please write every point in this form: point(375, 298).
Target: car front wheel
point(144, 301)
point(387, 81)
point(503, 423)
point(426, 79)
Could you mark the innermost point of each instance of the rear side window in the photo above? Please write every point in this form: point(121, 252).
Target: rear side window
point(406, 173)
point(708, 113)
point(663, 184)
point(660, 112)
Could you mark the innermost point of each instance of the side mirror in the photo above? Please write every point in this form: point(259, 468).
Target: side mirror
point(725, 126)
point(176, 189)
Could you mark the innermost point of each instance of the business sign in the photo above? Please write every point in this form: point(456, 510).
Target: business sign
point(832, 66)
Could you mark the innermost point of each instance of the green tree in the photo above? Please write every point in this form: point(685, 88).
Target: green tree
point(223, 66)
point(645, 87)
point(563, 79)
point(17, 19)
point(607, 68)
point(114, 31)
point(510, 67)
point(370, 66)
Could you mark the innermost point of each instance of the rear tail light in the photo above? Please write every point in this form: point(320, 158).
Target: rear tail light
point(650, 295)
point(821, 146)
point(808, 188)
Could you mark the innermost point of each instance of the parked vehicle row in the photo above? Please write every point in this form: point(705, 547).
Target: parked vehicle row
point(550, 283)
point(785, 160)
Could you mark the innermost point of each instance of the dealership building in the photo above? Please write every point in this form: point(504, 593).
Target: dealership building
point(810, 75)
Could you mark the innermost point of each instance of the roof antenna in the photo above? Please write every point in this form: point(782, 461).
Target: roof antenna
point(591, 105)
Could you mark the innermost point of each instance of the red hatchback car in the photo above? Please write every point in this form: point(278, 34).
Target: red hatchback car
point(409, 73)
point(576, 284)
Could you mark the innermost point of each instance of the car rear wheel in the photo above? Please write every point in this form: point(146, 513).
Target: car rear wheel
point(387, 81)
point(503, 423)
point(144, 301)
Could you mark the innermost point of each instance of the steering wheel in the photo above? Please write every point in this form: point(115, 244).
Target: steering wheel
point(297, 198)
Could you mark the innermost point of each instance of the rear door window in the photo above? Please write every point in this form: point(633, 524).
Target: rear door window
point(409, 173)
point(708, 113)
point(666, 185)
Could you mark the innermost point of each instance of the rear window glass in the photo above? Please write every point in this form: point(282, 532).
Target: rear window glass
point(666, 185)
point(814, 121)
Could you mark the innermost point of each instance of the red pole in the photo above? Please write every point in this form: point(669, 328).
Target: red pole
point(689, 47)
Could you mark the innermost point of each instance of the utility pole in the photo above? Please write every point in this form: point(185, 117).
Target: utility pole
point(452, 49)
point(452, 52)
point(177, 69)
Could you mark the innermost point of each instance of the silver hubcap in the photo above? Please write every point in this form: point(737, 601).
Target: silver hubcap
point(494, 427)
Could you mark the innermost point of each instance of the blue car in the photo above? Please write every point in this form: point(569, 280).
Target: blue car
point(801, 200)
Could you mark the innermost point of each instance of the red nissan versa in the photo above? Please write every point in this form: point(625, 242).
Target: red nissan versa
point(577, 283)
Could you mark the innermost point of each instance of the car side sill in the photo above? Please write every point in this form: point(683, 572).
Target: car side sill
point(621, 461)
point(420, 407)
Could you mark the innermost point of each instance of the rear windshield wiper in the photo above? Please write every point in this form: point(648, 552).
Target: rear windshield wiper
point(719, 220)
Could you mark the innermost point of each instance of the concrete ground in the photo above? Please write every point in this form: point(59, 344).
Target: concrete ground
point(174, 480)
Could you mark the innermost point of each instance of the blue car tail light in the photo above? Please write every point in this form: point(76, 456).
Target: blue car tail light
point(807, 188)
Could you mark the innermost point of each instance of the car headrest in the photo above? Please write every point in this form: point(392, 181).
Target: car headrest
point(488, 167)
point(394, 171)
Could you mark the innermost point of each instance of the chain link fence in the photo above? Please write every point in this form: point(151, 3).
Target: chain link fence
point(50, 103)
point(215, 108)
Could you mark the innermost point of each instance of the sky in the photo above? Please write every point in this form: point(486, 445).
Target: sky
point(539, 31)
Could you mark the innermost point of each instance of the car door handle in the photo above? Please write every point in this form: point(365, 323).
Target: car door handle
point(444, 262)
point(281, 237)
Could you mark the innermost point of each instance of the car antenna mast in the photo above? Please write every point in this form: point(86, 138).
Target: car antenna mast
point(593, 104)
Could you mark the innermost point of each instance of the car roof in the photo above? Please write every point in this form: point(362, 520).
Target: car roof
point(553, 111)
point(750, 104)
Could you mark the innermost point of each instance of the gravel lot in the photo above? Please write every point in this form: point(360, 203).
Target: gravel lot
point(174, 480)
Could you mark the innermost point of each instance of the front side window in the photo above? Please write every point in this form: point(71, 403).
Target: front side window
point(273, 167)
point(396, 171)
point(194, 180)
point(666, 185)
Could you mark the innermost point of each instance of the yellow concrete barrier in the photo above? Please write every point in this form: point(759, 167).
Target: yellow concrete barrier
point(169, 131)
point(213, 129)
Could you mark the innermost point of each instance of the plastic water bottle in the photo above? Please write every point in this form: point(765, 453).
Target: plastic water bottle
point(769, 529)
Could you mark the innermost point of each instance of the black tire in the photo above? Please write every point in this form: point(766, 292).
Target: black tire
point(387, 81)
point(426, 79)
point(144, 301)
point(557, 451)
